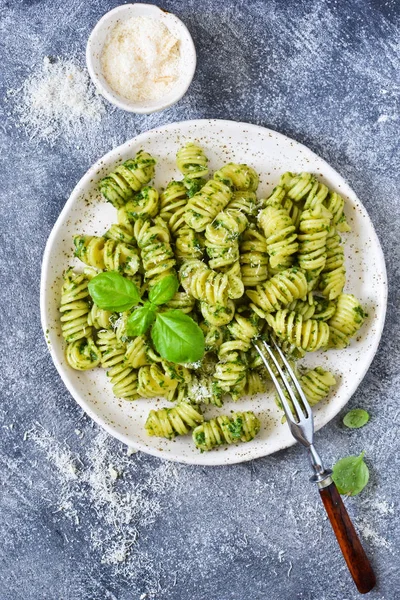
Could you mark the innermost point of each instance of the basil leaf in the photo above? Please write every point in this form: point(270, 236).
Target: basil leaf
point(111, 291)
point(164, 290)
point(140, 320)
point(177, 337)
point(356, 418)
point(351, 475)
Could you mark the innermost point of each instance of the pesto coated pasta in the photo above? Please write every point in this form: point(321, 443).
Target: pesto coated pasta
point(246, 266)
point(170, 422)
point(120, 185)
point(240, 427)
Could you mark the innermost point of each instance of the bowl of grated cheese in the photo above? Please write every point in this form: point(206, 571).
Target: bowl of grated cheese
point(141, 58)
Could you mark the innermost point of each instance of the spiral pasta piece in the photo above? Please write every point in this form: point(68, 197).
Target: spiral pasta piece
point(230, 375)
point(203, 390)
point(333, 276)
point(236, 285)
point(124, 379)
point(204, 206)
point(309, 335)
point(170, 422)
point(138, 353)
point(120, 326)
point(230, 370)
point(277, 292)
point(347, 320)
point(226, 227)
point(304, 307)
point(153, 239)
point(189, 244)
point(254, 258)
point(75, 307)
point(255, 383)
point(204, 283)
point(153, 381)
point(240, 177)
point(316, 196)
point(181, 301)
point(173, 202)
point(144, 205)
point(324, 309)
point(106, 254)
point(314, 229)
point(213, 335)
point(243, 330)
point(280, 234)
point(218, 314)
point(294, 209)
point(222, 237)
point(100, 318)
point(120, 185)
point(316, 385)
point(244, 201)
point(121, 233)
point(239, 427)
point(335, 205)
point(297, 186)
point(192, 162)
point(83, 354)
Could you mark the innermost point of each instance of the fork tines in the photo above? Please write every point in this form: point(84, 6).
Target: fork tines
point(302, 410)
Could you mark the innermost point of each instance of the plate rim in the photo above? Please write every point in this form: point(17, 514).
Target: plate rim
point(217, 456)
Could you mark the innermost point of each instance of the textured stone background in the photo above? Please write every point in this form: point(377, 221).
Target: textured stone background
point(323, 72)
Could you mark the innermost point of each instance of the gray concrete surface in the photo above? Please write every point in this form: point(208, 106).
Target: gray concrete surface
point(326, 73)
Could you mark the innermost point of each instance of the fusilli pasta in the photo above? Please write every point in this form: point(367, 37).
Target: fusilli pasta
point(240, 427)
point(246, 267)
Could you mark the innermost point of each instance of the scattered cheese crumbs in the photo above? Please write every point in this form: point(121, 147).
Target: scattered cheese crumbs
point(57, 99)
point(130, 451)
point(113, 473)
point(195, 365)
point(140, 59)
point(200, 391)
point(121, 507)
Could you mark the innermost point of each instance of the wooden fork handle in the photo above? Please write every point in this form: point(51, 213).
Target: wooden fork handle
point(349, 542)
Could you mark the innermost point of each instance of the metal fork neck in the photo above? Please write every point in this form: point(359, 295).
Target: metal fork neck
point(321, 475)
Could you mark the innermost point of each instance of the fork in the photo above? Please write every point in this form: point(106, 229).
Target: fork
point(301, 425)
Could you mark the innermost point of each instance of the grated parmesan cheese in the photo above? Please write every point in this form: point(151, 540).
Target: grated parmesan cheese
point(57, 99)
point(140, 59)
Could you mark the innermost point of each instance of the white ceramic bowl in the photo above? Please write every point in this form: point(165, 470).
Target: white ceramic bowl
point(177, 28)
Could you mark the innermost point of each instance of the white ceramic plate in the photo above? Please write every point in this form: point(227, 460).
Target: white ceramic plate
point(270, 153)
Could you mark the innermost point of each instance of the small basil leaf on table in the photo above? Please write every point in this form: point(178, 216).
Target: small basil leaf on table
point(164, 290)
point(141, 319)
point(356, 418)
point(111, 291)
point(351, 475)
point(177, 337)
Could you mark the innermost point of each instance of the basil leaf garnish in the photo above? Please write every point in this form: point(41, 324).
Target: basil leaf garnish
point(140, 320)
point(111, 291)
point(164, 290)
point(351, 475)
point(177, 337)
point(356, 418)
